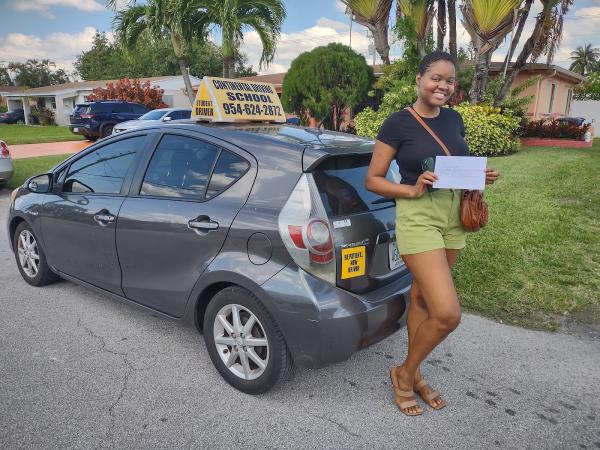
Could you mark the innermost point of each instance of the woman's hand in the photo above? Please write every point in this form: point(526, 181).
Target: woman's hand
point(491, 175)
point(424, 180)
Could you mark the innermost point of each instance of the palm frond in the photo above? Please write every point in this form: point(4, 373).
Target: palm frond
point(489, 21)
point(420, 12)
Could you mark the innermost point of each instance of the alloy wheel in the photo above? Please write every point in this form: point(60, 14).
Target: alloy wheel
point(29, 256)
point(241, 341)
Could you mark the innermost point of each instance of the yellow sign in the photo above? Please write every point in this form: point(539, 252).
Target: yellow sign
point(353, 262)
point(227, 100)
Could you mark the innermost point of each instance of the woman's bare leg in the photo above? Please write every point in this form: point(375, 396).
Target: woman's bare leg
point(419, 313)
point(431, 272)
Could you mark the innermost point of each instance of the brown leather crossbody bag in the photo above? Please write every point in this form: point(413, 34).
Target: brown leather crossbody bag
point(473, 208)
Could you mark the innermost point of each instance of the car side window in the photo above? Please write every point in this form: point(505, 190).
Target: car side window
point(120, 108)
point(102, 171)
point(184, 114)
point(229, 168)
point(179, 168)
point(139, 109)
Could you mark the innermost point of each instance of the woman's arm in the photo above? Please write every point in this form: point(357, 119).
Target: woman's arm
point(376, 182)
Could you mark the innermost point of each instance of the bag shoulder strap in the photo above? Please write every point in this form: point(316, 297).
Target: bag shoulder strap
point(424, 125)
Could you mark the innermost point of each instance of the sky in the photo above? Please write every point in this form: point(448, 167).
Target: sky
point(59, 30)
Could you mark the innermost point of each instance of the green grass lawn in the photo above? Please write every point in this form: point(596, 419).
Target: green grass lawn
point(26, 167)
point(537, 263)
point(35, 134)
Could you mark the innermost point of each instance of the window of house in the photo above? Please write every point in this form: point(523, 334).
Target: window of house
point(103, 171)
point(552, 95)
point(568, 102)
point(53, 103)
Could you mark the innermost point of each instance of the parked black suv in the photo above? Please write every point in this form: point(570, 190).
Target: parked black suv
point(96, 119)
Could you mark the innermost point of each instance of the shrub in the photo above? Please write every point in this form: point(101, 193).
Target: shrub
point(42, 116)
point(553, 128)
point(368, 121)
point(131, 91)
point(488, 131)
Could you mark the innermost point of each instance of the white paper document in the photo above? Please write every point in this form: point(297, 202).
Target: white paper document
point(460, 172)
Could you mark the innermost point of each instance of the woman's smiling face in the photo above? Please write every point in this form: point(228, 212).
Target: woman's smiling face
point(437, 84)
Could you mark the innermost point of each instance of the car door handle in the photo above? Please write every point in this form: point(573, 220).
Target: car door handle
point(104, 217)
point(203, 223)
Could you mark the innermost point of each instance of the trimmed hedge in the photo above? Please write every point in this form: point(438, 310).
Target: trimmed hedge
point(488, 131)
point(544, 128)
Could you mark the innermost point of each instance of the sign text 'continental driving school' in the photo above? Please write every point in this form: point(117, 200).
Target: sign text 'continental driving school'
point(225, 100)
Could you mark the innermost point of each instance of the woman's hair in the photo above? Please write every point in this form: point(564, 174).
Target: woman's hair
point(433, 57)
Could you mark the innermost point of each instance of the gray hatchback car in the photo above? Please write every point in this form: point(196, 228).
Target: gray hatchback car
point(260, 235)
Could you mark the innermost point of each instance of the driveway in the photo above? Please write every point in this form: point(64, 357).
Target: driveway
point(80, 370)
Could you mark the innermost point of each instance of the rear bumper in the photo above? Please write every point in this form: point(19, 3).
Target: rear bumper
point(323, 324)
point(6, 171)
point(84, 130)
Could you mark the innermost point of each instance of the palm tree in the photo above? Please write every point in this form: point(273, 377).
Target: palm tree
point(452, 28)
point(420, 12)
point(375, 15)
point(160, 18)
point(584, 59)
point(232, 17)
point(441, 24)
point(488, 23)
point(544, 39)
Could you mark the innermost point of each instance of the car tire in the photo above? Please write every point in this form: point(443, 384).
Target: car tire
point(233, 353)
point(30, 257)
point(106, 130)
point(92, 138)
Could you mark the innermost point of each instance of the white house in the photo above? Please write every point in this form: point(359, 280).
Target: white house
point(62, 98)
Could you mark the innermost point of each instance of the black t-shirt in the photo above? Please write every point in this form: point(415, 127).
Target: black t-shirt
point(413, 143)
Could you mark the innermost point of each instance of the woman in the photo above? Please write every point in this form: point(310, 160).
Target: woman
point(428, 229)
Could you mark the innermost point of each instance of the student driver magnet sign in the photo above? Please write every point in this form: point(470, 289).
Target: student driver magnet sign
point(353, 262)
point(227, 100)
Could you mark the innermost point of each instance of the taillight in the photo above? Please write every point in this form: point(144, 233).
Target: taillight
point(5, 115)
point(304, 229)
point(4, 153)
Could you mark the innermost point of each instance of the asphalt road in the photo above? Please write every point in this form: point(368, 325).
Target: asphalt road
point(79, 370)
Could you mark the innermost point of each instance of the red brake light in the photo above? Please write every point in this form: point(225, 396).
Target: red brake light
point(5, 153)
point(296, 235)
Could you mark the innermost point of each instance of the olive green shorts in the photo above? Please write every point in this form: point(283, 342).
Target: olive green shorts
point(429, 222)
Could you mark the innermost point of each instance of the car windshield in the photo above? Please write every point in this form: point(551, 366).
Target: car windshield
point(154, 115)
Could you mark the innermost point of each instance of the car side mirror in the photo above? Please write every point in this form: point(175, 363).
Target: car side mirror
point(167, 119)
point(40, 183)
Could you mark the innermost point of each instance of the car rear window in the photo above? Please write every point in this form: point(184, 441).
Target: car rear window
point(341, 184)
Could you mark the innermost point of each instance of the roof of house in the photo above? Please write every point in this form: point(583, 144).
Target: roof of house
point(79, 86)
point(498, 66)
point(9, 89)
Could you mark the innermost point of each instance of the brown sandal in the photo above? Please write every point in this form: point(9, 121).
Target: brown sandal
point(429, 398)
point(403, 405)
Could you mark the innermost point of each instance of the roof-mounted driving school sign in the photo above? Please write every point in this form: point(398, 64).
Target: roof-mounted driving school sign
point(227, 100)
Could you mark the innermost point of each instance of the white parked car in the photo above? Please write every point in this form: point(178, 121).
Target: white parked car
point(6, 164)
point(154, 117)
